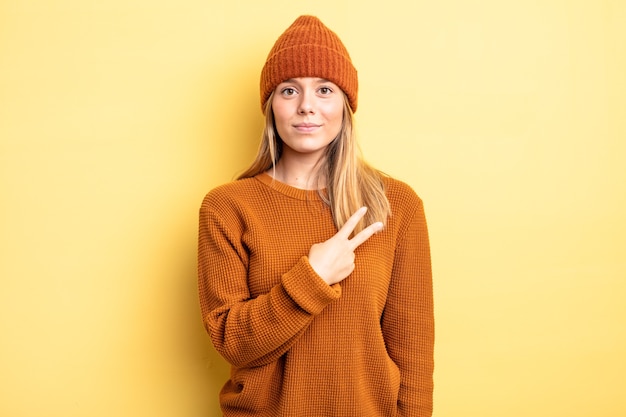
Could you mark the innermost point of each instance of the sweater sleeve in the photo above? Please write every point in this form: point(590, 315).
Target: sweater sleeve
point(252, 331)
point(408, 318)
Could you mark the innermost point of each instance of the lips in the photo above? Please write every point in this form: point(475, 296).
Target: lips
point(306, 127)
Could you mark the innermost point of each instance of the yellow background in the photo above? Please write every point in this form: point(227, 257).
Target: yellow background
point(116, 117)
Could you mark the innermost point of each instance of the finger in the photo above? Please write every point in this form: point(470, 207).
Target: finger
point(353, 221)
point(365, 234)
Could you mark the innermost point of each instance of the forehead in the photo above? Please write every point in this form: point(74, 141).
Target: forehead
point(307, 80)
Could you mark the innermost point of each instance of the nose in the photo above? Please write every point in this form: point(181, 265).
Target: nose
point(306, 104)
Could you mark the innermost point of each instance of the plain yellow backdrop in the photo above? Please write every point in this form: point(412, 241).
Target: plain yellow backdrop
point(507, 117)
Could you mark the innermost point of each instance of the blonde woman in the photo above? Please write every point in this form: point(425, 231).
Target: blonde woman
point(314, 268)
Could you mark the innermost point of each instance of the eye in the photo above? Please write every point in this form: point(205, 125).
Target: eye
point(325, 90)
point(288, 91)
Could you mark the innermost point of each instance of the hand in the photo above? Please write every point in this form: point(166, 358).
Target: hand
point(333, 260)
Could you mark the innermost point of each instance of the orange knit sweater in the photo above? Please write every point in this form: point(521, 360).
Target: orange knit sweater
point(298, 347)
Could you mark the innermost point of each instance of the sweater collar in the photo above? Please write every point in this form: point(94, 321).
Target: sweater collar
point(288, 190)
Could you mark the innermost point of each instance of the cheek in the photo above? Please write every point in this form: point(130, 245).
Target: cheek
point(335, 115)
point(278, 113)
point(334, 109)
point(280, 120)
point(281, 108)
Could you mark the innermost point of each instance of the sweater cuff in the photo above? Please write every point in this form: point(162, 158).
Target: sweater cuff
point(307, 289)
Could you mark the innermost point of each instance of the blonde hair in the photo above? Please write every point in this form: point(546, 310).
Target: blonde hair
point(351, 183)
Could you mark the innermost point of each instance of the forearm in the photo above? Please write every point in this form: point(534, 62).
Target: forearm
point(253, 332)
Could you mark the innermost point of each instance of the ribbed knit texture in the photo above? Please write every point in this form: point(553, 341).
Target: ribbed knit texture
point(309, 49)
point(301, 348)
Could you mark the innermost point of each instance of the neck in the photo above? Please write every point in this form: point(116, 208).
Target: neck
point(299, 174)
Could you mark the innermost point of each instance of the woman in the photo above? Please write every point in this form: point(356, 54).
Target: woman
point(314, 268)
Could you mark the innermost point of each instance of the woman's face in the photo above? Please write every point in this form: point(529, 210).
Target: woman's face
point(308, 113)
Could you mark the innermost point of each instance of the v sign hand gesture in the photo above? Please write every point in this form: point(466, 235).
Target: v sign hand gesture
point(333, 260)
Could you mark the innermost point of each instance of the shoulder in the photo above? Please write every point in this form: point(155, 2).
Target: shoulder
point(407, 208)
point(231, 194)
point(227, 206)
point(401, 195)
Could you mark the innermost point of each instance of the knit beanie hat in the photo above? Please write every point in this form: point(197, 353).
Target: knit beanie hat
point(309, 49)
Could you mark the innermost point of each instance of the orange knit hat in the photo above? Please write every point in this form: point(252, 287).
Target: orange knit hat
point(309, 49)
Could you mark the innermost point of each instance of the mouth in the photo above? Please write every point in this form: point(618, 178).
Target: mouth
point(306, 127)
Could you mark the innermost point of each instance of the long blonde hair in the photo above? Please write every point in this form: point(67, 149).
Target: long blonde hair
point(351, 183)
